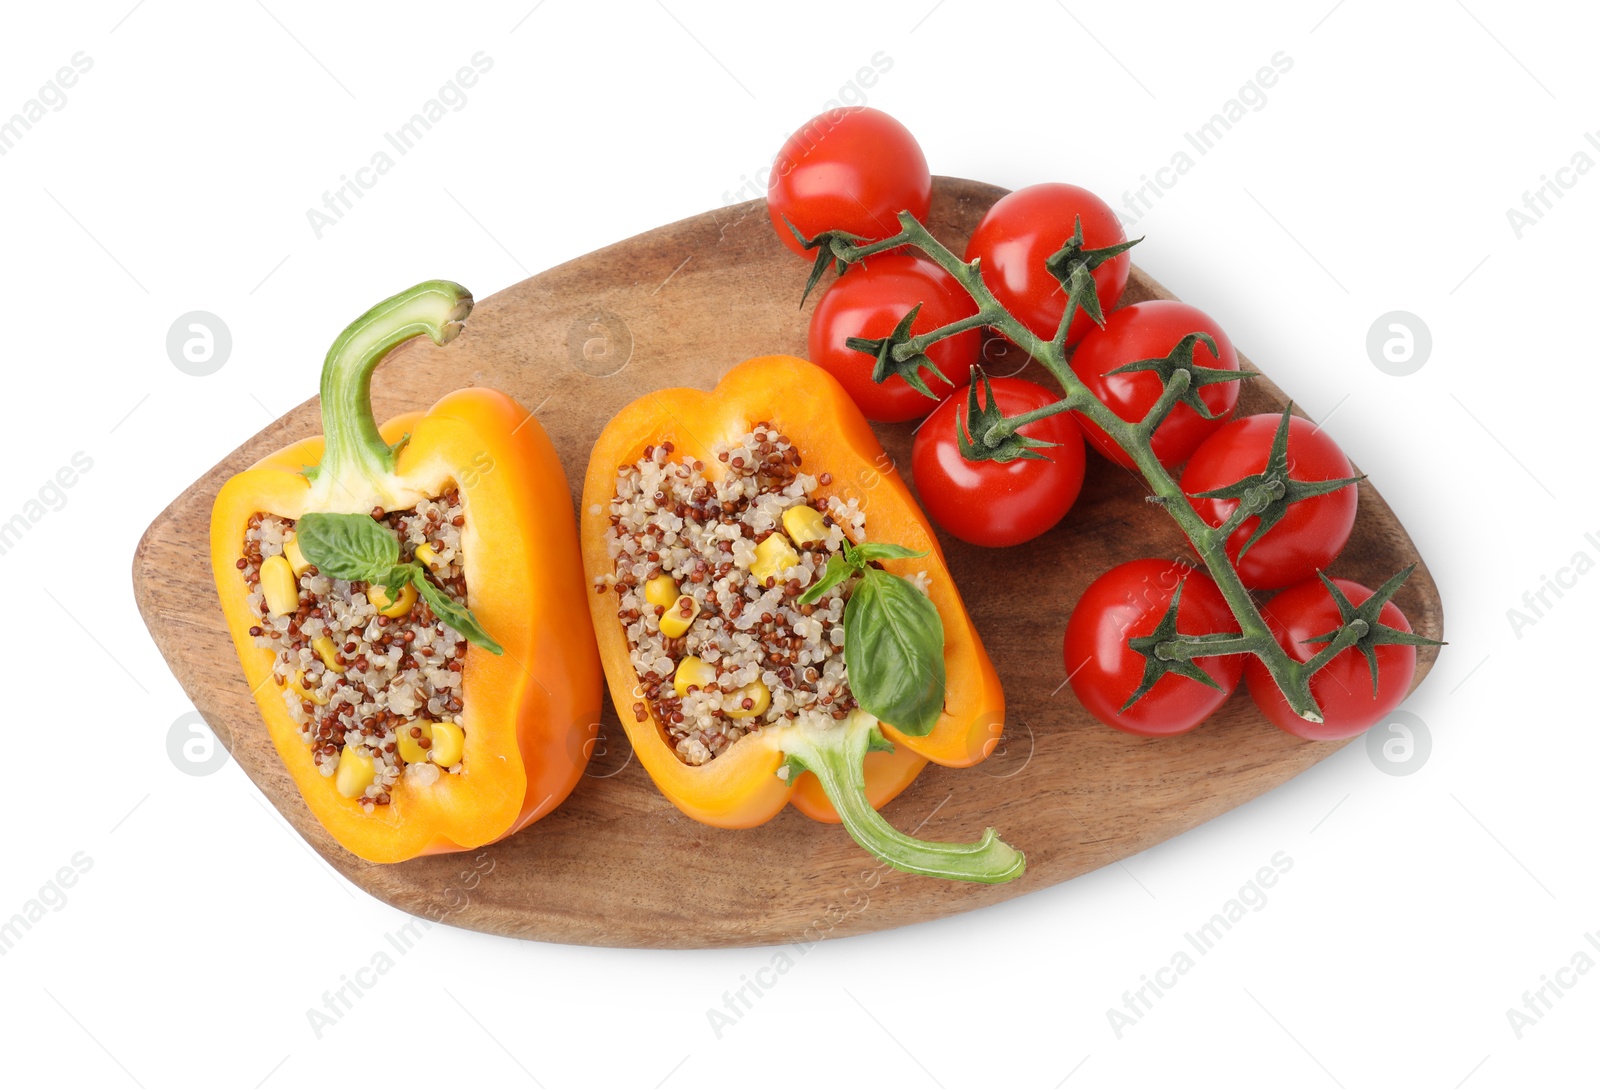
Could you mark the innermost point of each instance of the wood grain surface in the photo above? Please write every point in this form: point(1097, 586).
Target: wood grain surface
point(617, 864)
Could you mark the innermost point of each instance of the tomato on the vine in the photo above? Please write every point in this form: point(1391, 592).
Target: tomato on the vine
point(1023, 230)
point(996, 503)
point(1150, 331)
point(852, 169)
point(868, 301)
point(1130, 601)
point(1310, 532)
point(1344, 688)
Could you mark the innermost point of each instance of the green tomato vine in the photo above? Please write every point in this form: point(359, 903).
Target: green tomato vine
point(992, 435)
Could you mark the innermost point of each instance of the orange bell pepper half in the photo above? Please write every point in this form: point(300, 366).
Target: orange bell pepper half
point(529, 688)
point(843, 773)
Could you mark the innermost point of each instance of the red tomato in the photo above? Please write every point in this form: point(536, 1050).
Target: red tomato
point(1311, 532)
point(868, 301)
point(1151, 330)
point(1343, 687)
point(1026, 227)
point(1128, 601)
point(851, 169)
point(987, 502)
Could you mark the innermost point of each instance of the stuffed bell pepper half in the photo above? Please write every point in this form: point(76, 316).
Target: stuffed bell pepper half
point(775, 617)
point(403, 601)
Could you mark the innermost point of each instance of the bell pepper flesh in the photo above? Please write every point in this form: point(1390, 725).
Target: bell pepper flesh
point(529, 713)
point(742, 786)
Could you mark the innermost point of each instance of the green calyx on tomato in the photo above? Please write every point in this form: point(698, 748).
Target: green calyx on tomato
point(1165, 631)
point(992, 503)
point(886, 366)
point(1181, 358)
point(1361, 626)
point(1268, 494)
point(893, 638)
point(1145, 331)
point(1336, 670)
point(1118, 684)
point(1073, 266)
point(824, 242)
point(989, 435)
point(863, 334)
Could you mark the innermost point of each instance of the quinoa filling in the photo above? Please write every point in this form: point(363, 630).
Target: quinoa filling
point(707, 573)
point(373, 681)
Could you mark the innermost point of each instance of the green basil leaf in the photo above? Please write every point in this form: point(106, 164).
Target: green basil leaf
point(868, 551)
point(894, 653)
point(454, 616)
point(832, 575)
point(347, 546)
point(400, 574)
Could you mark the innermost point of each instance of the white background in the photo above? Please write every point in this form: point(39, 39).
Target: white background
point(1376, 177)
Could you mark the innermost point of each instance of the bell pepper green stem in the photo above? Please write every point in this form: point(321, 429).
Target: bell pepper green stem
point(835, 757)
point(357, 463)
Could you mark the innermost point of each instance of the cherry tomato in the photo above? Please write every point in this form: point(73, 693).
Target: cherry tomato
point(1343, 687)
point(1130, 600)
point(1022, 230)
point(1151, 330)
point(852, 169)
point(868, 301)
point(992, 503)
point(1311, 532)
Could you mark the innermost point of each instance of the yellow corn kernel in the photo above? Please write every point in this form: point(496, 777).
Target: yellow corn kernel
point(428, 558)
point(307, 692)
point(392, 607)
point(329, 653)
point(279, 586)
point(675, 621)
point(448, 743)
point(355, 773)
point(803, 524)
point(409, 748)
point(773, 555)
point(661, 591)
point(693, 671)
point(297, 559)
point(759, 695)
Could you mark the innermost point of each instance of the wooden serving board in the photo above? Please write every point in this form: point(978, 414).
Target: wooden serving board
point(618, 864)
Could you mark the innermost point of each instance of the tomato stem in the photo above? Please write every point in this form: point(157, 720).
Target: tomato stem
point(996, 434)
point(1254, 637)
point(918, 345)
